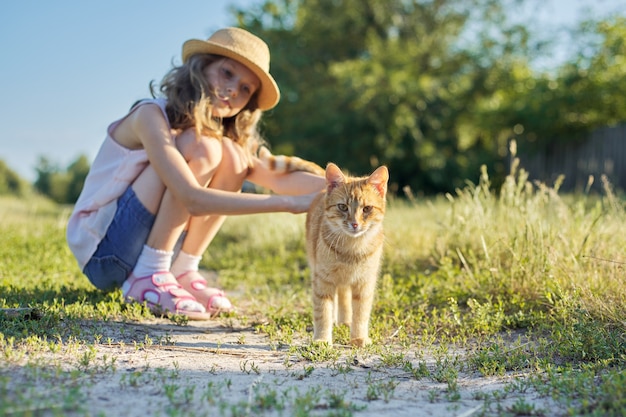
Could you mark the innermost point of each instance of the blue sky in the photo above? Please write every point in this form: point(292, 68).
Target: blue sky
point(69, 68)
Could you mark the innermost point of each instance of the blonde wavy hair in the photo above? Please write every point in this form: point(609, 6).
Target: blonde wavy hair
point(189, 105)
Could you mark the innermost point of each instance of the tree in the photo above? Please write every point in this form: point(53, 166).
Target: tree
point(385, 82)
point(10, 182)
point(598, 74)
point(45, 171)
point(583, 94)
point(61, 186)
point(77, 172)
point(433, 89)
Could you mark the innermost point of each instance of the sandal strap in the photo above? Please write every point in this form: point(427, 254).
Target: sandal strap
point(198, 286)
point(197, 281)
point(165, 280)
point(164, 293)
point(197, 277)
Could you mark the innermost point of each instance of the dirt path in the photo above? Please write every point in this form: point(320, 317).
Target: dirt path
point(207, 369)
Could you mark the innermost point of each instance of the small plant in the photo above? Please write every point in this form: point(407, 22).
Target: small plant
point(318, 352)
point(446, 370)
point(306, 372)
point(418, 372)
point(377, 389)
point(265, 398)
point(339, 406)
point(87, 358)
point(341, 368)
point(249, 366)
point(433, 395)
point(452, 393)
point(391, 359)
point(522, 408)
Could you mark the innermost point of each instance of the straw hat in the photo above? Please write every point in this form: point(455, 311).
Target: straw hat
point(243, 47)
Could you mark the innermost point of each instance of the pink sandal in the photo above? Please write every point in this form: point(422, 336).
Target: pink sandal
point(164, 295)
point(213, 300)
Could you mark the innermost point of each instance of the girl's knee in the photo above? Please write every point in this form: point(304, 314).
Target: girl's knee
point(203, 154)
point(233, 169)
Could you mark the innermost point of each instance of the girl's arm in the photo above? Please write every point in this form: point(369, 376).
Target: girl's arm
point(292, 183)
point(149, 125)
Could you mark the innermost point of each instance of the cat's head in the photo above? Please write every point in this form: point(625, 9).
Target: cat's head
point(355, 205)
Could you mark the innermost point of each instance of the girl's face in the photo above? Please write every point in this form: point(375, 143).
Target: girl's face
point(233, 84)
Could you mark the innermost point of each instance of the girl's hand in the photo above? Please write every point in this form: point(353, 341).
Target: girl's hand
point(301, 203)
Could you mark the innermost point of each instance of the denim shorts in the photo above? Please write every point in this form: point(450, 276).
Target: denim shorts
point(121, 246)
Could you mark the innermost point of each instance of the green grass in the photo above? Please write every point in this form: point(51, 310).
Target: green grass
point(523, 279)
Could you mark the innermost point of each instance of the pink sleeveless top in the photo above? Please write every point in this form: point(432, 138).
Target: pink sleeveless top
point(113, 170)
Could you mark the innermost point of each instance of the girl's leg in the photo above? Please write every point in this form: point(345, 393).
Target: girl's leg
point(204, 157)
point(229, 176)
point(151, 280)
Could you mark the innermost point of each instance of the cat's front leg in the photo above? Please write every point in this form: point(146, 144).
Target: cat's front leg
point(323, 301)
point(344, 305)
point(362, 300)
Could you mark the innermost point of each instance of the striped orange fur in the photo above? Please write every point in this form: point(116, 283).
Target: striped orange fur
point(284, 163)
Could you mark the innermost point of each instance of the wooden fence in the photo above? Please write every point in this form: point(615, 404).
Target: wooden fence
point(604, 153)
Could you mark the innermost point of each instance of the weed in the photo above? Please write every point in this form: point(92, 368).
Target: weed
point(392, 359)
point(318, 352)
point(497, 358)
point(306, 372)
point(249, 367)
point(522, 408)
point(377, 389)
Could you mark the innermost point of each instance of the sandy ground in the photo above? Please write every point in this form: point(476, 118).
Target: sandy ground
point(215, 368)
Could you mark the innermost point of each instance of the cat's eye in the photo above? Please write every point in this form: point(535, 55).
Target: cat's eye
point(342, 207)
point(367, 209)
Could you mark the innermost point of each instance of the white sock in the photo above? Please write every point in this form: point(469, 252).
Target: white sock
point(152, 260)
point(185, 262)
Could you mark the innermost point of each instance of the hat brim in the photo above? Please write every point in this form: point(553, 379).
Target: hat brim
point(268, 95)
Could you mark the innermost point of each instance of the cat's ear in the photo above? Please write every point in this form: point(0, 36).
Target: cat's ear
point(334, 177)
point(379, 180)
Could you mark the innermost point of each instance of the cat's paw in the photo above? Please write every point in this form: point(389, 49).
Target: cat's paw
point(361, 341)
point(322, 342)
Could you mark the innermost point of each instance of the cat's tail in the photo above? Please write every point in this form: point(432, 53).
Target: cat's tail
point(286, 164)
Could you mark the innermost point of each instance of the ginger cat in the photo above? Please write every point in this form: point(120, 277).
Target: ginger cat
point(344, 240)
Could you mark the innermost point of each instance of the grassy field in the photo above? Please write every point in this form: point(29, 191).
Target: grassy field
point(523, 280)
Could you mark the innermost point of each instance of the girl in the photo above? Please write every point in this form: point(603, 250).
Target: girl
point(172, 169)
